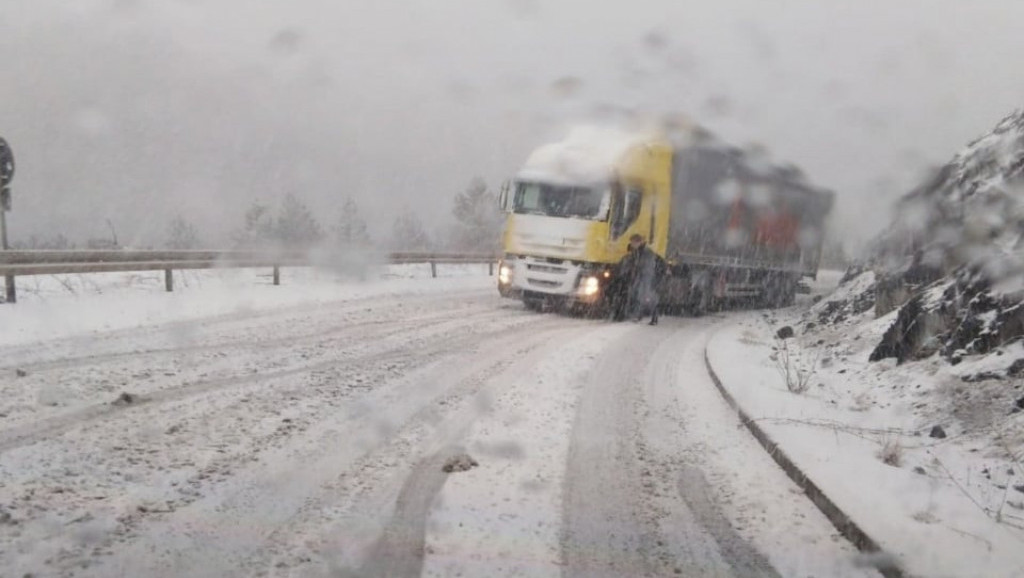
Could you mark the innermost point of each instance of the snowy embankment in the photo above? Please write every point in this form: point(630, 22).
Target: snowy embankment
point(922, 456)
point(54, 306)
point(901, 393)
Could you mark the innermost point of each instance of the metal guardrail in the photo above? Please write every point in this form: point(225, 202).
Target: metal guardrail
point(16, 263)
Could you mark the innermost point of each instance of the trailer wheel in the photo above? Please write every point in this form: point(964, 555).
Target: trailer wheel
point(780, 291)
point(789, 293)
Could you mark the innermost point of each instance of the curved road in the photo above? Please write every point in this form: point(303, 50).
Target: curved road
point(314, 441)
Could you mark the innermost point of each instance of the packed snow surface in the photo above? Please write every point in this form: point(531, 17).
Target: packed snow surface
point(399, 426)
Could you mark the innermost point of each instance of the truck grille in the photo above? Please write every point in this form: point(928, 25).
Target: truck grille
point(546, 268)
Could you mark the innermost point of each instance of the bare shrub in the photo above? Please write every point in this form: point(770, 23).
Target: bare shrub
point(891, 453)
point(797, 379)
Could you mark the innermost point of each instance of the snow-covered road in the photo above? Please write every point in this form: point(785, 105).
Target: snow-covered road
point(312, 439)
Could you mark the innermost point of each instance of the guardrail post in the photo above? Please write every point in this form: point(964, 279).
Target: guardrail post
point(168, 280)
point(433, 269)
point(490, 268)
point(277, 275)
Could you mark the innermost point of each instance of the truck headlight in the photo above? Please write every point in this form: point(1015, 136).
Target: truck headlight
point(504, 274)
point(590, 286)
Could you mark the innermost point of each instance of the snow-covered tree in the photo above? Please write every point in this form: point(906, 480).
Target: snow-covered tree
point(478, 218)
point(258, 228)
point(181, 235)
point(408, 234)
point(350, 230)
point(296, 227)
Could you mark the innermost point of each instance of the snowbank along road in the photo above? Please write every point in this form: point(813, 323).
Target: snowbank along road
point(438, 434)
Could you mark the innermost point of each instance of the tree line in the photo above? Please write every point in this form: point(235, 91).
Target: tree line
point(292, 224)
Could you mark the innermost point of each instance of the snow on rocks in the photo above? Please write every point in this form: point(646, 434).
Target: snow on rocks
point(953, 259)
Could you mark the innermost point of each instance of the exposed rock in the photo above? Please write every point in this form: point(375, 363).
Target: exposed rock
point(1016, 368)
point(21, 373)
point(957, 316)
point(852, 272)
point(459, 463)
point(937, 433)
point(785, 332)
point(953, 259)
point(890, 294)
point(854, 298)
point(982, 376)
point(912, 335)
point(126, 399)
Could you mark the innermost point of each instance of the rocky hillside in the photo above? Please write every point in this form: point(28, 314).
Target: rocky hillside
point(971, 212)
point(952, 261)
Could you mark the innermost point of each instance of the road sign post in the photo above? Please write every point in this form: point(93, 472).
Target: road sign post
point(11, 292)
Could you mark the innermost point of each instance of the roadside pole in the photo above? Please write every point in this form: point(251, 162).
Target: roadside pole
point(12, 294)
point(6, 174)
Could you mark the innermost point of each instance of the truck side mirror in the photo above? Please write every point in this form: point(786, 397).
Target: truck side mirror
point(503, 196)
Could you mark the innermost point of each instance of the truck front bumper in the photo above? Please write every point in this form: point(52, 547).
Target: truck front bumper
point(539, 277)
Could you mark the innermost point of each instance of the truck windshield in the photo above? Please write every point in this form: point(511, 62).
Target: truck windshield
point(567, 201)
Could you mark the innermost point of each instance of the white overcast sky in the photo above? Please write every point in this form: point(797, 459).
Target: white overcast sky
point(137, 110)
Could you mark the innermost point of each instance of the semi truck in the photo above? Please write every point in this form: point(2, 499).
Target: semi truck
point(730, 225)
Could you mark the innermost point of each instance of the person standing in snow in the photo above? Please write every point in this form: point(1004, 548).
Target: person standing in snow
point(646, 269)
point(618, 292)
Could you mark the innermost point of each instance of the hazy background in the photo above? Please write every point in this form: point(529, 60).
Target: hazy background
point(138, 110)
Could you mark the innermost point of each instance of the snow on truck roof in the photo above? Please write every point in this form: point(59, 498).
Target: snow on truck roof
point(588, 154)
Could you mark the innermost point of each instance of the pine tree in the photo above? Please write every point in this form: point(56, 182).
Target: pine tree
point(258, 228)
point(408, 234)
point(479, 218)
point(181, 235)
point(296, 227)
point(351, 229)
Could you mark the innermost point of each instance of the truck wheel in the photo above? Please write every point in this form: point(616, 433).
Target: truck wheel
point(789, 293)
point(779, 292)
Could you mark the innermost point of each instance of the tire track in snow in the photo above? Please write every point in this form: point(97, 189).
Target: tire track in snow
point(62, 423)
point(622, 513)
point(603, 531)
point(400, 550)
point(229, 528)
point(503, 518)
point(745, 560)
point(744, 505)
point(187, 331)
point(351, 512)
